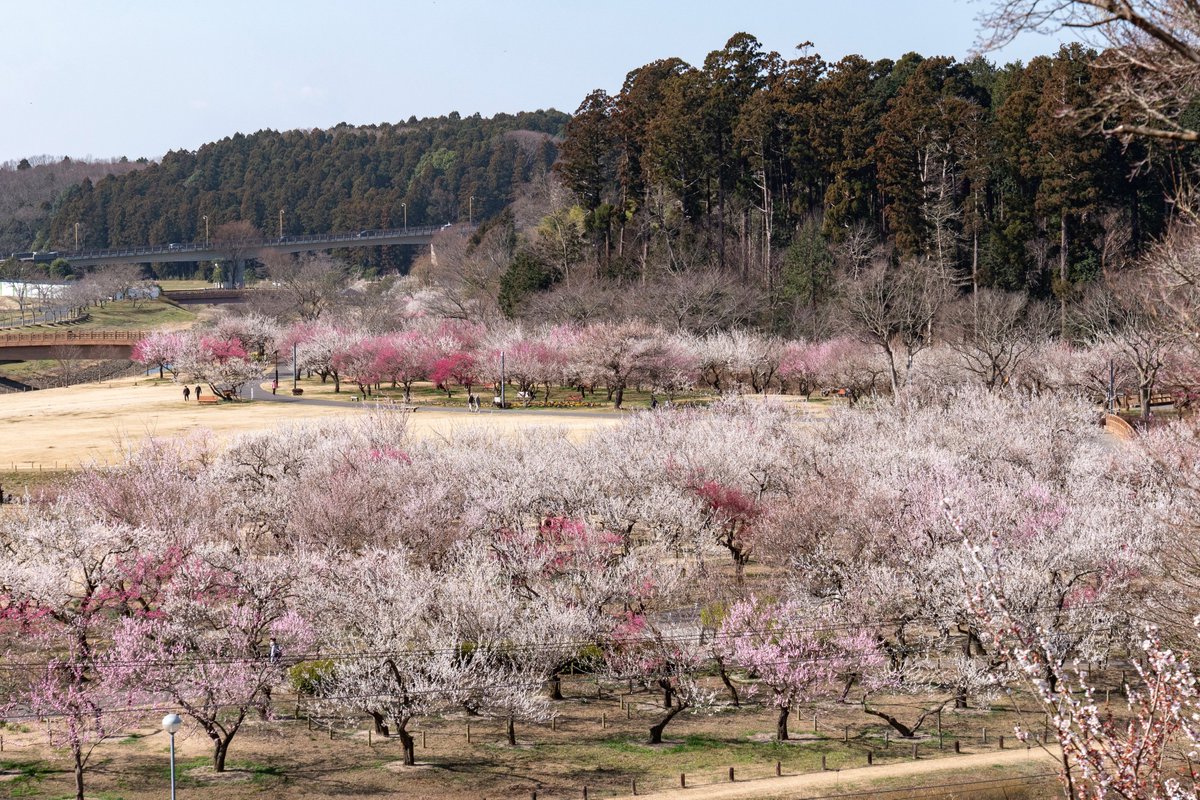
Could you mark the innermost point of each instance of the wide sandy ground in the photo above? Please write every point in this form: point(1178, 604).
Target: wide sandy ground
point(62, 428)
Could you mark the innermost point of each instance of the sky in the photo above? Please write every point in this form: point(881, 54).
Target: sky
point(141, 77)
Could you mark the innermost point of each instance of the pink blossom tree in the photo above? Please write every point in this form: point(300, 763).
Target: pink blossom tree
point(785, 648)
point(404, 359)
point(458, 367)
point(160, 349)
point(221, 363)
point(64, 585)
point(217, 642)
point(361, 363)
point(668, 656)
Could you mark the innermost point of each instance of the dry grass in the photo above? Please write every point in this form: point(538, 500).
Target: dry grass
point(62, 428)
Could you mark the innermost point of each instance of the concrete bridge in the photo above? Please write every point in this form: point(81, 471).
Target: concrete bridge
point(238, 249)
point(71, 345)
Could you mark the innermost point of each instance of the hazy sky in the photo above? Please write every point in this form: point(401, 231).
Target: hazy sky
point(141, 77)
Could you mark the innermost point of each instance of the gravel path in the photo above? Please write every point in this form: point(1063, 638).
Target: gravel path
point(979, 767)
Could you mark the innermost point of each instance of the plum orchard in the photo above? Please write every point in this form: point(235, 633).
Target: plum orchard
point(813, 563)
point(997, 343)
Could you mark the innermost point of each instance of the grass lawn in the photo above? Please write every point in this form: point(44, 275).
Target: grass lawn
point(145, 314)
point(179, 284)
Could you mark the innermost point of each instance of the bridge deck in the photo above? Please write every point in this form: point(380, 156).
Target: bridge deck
point(242, 248)
point(96, 344)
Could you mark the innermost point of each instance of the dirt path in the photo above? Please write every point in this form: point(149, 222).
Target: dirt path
point(981, 766)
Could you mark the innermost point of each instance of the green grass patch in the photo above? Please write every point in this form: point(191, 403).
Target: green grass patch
point(27, 775)
point(180, 284)
point(136, 315)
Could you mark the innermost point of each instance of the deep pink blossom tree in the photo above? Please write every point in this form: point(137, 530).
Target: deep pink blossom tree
point(458, 367)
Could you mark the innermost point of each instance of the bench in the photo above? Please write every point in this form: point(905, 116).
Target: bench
point(208, 399)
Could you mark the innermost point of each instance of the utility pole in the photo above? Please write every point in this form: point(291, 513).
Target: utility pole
point(502, 379)
point(471, 210)
point(206, 230)
point(293, 368)
point(76, 235)
point(281, 223)
point(405, 207)
point(1112, 387)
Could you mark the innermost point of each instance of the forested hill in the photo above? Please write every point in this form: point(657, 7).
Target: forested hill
point(30, 187)
point(996, 173)
point(345, 178)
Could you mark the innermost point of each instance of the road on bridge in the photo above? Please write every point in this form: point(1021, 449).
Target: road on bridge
point(241, 249)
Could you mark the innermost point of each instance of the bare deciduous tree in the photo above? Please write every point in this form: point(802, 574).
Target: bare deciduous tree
point(894, 310)
point(309, 283)
point(1150, 62)
point(1126, 316)
point(994, 332)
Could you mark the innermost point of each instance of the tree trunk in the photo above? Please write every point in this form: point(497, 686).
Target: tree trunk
point(510, 730)
point(781, 731)
point(77, 753)
point(620, 396)
point(656, 730)
point(733, 694)
point(220, 750)
point(380, 725)
point(556, 687)
point(406, 742)
point(160, 371)
point(1062, 273)
point(899, 726)
point(667, 698)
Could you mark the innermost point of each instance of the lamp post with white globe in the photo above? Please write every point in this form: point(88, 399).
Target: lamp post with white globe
point(171, 724)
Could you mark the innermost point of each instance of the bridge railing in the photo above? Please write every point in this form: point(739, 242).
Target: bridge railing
point(69, 338)
point(250, 244)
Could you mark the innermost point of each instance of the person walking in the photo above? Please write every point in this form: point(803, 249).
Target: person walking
point(187, 393)
point(274, 385)
point(197, 393)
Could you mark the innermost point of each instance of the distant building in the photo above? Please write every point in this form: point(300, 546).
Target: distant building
point(30, 289)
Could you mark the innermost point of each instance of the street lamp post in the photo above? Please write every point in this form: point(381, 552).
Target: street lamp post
point(471, 210)
point(76, 235)
point(405, 207)
point(206, 230)
point(281, 223)
point(171, 724)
